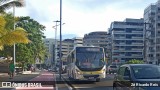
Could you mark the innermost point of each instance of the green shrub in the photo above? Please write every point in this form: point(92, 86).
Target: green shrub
point(134, 61)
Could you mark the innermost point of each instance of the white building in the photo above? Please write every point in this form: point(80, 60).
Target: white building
point(127, 40)
point(152, 17)
point(49, 44)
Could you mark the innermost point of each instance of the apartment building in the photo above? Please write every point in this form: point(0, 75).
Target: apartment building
point(152, 33)
point(68, 45)
point(109, 48)
point(98, 38)
point(78, 41)
point(126, 40)
point(49, 44)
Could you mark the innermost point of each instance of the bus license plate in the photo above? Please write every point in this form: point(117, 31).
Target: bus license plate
point(91, 77)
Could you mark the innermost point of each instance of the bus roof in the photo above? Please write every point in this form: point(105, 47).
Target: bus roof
point(82, 46)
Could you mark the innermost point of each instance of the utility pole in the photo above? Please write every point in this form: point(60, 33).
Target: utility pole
point(56, 42)
point(60, 50)
point(14, 46)
point(145, 45)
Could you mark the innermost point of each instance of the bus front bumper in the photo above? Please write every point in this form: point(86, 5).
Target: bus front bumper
point(90, 77)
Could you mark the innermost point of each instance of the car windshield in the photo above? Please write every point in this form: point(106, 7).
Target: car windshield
point(146, 72)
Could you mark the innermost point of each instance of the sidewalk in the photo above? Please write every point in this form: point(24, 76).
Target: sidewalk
point(5, 76)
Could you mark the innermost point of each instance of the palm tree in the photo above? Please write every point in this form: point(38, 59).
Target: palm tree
point(7, 4)
point(9, 36)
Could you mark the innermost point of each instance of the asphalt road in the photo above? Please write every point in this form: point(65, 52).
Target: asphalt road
point(104, 84)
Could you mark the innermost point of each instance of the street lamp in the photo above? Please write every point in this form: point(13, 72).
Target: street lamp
point(14, 46)
point(145, 46)
point(60, 39)
point(55, 27)
point(55, 57)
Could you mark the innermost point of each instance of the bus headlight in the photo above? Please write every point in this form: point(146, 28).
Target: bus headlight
point(78, 72)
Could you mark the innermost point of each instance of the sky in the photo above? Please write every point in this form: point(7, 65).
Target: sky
point(82, 16)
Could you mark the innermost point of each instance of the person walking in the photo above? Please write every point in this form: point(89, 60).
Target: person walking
point(11, 69)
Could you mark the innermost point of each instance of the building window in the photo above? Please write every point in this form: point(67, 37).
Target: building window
point(128, 42)
point(158, 48)
point(150, 55)
point(158, 24)
point(128, 36)
point(158, 55)
point(158, 41)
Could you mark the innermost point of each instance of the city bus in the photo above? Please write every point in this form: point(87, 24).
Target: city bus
point(86, 63)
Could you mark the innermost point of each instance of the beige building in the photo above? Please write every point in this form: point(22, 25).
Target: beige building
point(98, 38)
point(68, 45)
point(49, 44)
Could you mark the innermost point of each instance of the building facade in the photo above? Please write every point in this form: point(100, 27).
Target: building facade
point(68, 45)
point(49, 44)
point(109, 48)
point(152, 17)
point(98, 38)
point(127, 40)
point(78, 41)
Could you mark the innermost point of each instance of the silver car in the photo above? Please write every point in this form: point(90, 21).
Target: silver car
point(112, 69)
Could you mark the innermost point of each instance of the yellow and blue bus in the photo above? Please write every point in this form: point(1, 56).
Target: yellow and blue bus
point(86, 63)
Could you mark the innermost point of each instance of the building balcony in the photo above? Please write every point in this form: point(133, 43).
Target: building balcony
point(127, 56)
point(118, 32)
point(137, 32)
point(119, 37)
point(128, 50)
point(150, 58)
point(135, 49)
point(133, 55)
point(137, 43)
point(137, 38)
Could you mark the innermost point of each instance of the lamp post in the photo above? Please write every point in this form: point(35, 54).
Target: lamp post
point(14, 46)
point(60, 39)
point(55, 57)
point(55, 27)
point(145, 45)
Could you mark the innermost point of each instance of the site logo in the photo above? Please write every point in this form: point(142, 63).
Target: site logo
point(6, 84)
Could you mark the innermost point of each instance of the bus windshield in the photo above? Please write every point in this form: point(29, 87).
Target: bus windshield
point(90, 60)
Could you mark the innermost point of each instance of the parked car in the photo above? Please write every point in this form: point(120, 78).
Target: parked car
point(132, 76)
point(112, 69)
point(49, 69)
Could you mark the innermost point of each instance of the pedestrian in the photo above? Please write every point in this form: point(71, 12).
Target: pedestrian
point(11, 69)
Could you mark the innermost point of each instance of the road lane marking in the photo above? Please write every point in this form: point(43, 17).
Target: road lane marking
point(46, 74)
point(69, 87)
point(38, 88)
point(55, 81)
point(81, 87)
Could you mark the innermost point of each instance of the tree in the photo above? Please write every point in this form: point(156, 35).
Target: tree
point(7, 4)
point(36, 49)
point(8, 36)
point(134, 61)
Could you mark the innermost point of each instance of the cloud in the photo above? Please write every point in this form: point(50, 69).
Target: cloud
point(82, 16)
